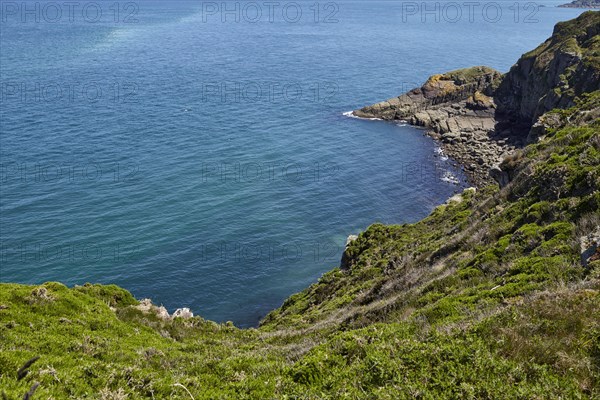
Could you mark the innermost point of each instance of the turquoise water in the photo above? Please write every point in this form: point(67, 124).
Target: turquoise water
point(208, 164)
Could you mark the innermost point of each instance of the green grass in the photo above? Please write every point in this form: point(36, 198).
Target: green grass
point(547, 343)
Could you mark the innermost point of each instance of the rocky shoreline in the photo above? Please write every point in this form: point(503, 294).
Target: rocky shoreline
point(458, 111)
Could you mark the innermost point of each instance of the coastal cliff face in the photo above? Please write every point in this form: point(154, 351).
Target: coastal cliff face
point(420, 105)
point(482, 116)
point(554, 74)
point(495, 295)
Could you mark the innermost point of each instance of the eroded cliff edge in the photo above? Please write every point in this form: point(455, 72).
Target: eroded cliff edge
point(481, 116)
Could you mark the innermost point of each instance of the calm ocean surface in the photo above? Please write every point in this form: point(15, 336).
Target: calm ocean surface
point(208, 164)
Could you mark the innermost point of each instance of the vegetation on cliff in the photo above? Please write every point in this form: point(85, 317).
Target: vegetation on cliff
point(495, 295)
point(555, 73)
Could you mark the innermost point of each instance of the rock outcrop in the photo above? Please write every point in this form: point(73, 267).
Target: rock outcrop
point(345, 263)
point(590, 247)
point(423, 105)
point(184, 313)
point(481, 116)
point(458, 109)
point(147, 307)
point(554, 74)
point(582, 4)
point(161, 312)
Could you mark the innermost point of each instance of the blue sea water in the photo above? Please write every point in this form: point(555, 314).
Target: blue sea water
point(197, 153)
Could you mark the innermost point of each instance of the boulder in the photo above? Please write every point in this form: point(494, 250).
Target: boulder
point(345, 262)
point(147, 307)
point(184, 313)
point(499, 175)
point(590, 247)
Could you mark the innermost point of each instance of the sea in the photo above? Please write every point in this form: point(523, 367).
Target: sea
point(201, 154)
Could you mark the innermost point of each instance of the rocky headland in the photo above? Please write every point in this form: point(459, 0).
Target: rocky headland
point(458, 109)
point(582, 4)
point(481, 116)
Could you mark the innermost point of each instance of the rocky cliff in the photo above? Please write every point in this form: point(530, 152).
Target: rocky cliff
point(425, 105)
point(554, 74)
point(582, 4)
point(481, 116)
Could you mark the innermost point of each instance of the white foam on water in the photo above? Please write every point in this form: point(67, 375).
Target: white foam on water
point(441, 154)
point(349, 114)
point(450, 178)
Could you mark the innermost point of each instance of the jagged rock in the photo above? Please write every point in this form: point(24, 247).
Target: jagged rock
point(590, 247)
point(345, 261)
point(41, 293)
point(499, 175)
point(479, 101)
point(542, 125)
point(443, 90)
point(350, 239)
point(147, 307)
point(184, 313)
point(457, 198)
point(537, 131)
point(449, 136)
point(162, 313)
point(458, 110)
point(552, 75)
